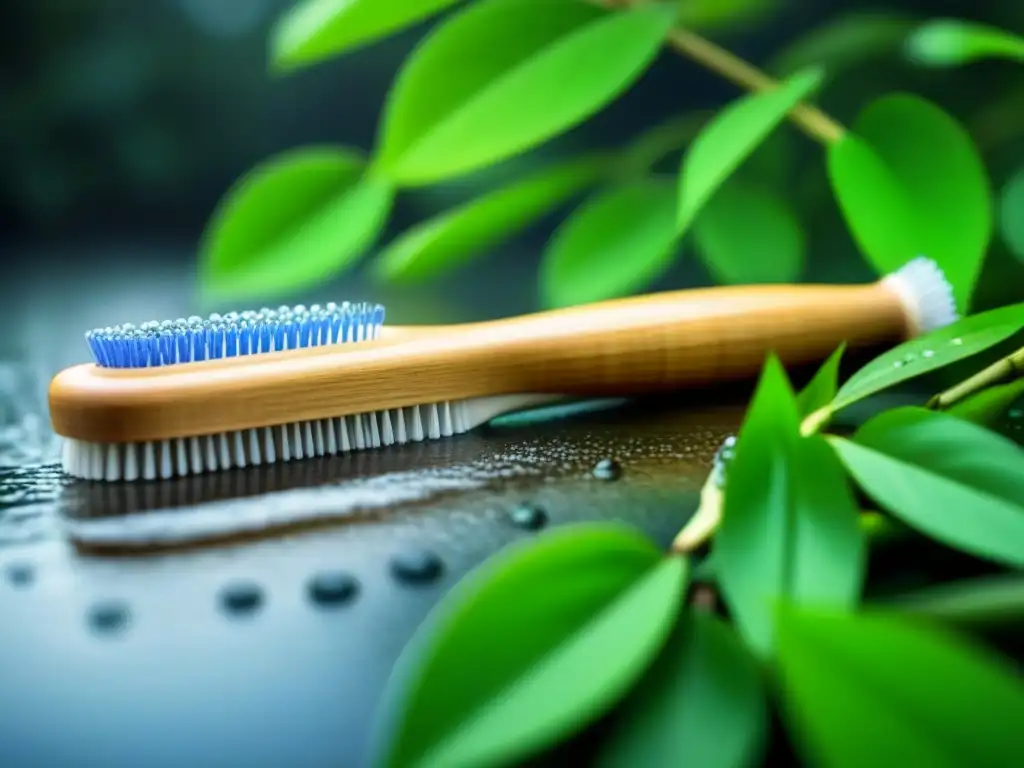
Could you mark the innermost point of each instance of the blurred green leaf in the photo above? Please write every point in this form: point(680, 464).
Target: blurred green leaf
point(541, 639)
point(315, 30)
point(502, 76)
point(655, 143)
point(844, 43)
point(962, 339)
point(1011, 214)
point(731, 136)
point(977, 602)
point(954, 481)
point(453, 237)
point(910, 182)
point(712, 15)
point(292, 222)
point(789, 525)
point(990, 405)
point(701, 704)
point(768, 248)
point(822, 388)
point(615, 243)
point(952, 42)
point(885, 690)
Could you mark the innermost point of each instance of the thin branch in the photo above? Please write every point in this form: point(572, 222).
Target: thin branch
point(1001, 371)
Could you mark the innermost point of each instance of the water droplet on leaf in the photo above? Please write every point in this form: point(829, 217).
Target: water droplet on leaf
point(607, 469)
point(928, 353)
point(529, 517)
point(957, 342)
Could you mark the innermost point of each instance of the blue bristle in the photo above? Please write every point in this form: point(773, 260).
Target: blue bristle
point(235, 333)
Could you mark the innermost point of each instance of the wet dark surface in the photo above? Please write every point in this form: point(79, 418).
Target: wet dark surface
point(252, 617)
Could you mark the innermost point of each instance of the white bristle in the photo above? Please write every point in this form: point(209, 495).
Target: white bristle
point(926, 294)
point(164, 459)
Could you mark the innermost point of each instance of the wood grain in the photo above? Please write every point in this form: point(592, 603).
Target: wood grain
point(638, 345)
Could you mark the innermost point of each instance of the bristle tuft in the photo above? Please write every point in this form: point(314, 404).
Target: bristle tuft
point(926, 294)
point(170, 342)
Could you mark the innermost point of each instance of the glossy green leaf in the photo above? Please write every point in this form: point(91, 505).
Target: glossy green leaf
point(770, 247)
point(294, 221)
point(989, 406)
point(789, 527)
point(702, 704)
point(822, 388)
point(455, 236)
point(651, 146)
point(502, 76)
point(314, 30)
point(617, 242)
point(540, 640)
point(979, 602)
point(731, 136)
point(845, 43)
point(951, 43)
point(951, 480)
point(709, 15)
point(962, 339)
point(875, 689)
point(1011, 214)
point(910, 182)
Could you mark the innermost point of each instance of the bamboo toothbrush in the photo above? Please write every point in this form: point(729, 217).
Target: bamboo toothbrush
point(170, 399)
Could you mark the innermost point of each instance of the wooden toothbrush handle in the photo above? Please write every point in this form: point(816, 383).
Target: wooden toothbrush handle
point(686, 338)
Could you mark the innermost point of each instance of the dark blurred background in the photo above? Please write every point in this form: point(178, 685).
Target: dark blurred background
point(124, 122)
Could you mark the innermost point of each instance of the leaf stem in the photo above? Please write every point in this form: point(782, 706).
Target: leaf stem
point(810, 120)
point(705, 520)
point(1001, 371)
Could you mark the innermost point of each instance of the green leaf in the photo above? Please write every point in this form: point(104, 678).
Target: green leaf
point(769, 247)
point(292, 222)
point(990, 405)
point(731, 136)
point(315, 30)
point(951, 480)
point(951, 43)
point(1011, 214)
point(709, 15)
point(615, 243)
point(880, 690)
point(651, 146)
point(455, 236)
point(910, 182)
point(502, 76)
point(821, 389)
point(701, 704)
point(979, 602)
point(543, 638)
point(845, 43)
point(789, 526)
point(932, 351)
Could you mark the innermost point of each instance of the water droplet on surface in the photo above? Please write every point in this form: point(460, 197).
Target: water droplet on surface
point(20, 574)
point(897, 364)
point(1015, 413)
point(928, 353)
point(333, 587)
point(957, 342)
point(109, 617)
point(241, 597)
point(416, 566)
point(908, 359)
point(529, 517)
point(607, 469)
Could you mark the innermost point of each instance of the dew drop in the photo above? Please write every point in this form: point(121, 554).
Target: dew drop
point(529, 517)
point(957, 342)
point(928, 353)
point(416, 566)
point(607, 469)
point(908, 359)
point(1015, 413)
point(20, 574)
point(332, 587)
point(109, 617)
point(241, 597)
point(897, 364)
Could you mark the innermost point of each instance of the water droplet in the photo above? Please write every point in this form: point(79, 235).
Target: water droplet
point(241, 597)
point(908, 359)
point(333, 587)
point(20, 574)
point(928, 353)
point(1015, 413)
point(529, 517)
point(957, 342)
point(607, 469)
point(897, 364)
point(416, 566)
point(109, 617)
